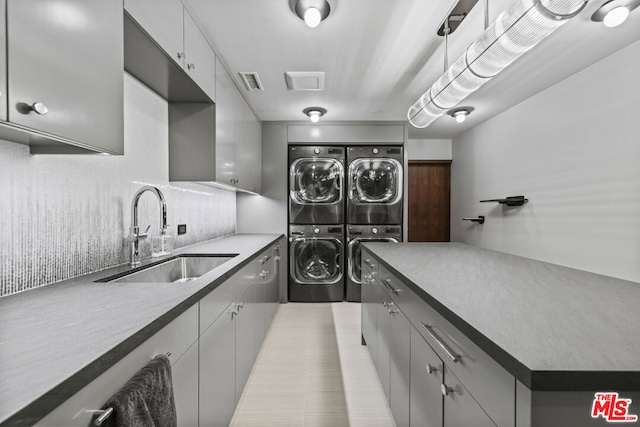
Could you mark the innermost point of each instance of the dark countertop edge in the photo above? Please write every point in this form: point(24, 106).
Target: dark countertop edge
point(45, 404)
point(534, 380)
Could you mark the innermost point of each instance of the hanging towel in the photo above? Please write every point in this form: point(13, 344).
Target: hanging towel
point(146, 400)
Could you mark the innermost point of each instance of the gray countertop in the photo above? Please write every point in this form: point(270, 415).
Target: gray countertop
point(56, 339)
point(552, 327)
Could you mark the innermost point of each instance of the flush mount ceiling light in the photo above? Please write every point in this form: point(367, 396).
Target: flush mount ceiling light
point(312, 12)
point(460, 113)
point(314, 113)
point(614, 12)
point(516, 30)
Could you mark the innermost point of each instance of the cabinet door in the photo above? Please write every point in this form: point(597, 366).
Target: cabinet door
point(3, 60)
point(225, 142)
point(370, 314)
point(217, 379)
point(66, 58)
point(272, 282)
point(200, 61)
point(163, 20)
point(384, 344)
point(460, 409)
point(400, 367)
point(185, 390)
point(245, 337)
point(426, 379)
point(249, 153)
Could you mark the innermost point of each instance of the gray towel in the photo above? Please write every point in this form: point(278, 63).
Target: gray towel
point(146, 400)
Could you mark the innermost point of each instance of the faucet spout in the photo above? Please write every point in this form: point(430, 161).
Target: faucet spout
point(134, 231)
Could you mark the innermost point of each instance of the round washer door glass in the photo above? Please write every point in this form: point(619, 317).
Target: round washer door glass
point(317, 261)
point(314, 181)
point(375, 181)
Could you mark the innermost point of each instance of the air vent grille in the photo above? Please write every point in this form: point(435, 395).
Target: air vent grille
point(304, 80)
point(251, 80)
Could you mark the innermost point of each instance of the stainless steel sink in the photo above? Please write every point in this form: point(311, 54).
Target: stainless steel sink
point(180, 269)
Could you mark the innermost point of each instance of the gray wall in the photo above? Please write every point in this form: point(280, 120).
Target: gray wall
point(574, 151)
point(64, 216)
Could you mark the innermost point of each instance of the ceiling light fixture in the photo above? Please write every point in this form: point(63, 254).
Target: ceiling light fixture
point(312, 12)
point(460, 113)
point(614, 12)
point(516, 30)
point(314, 113)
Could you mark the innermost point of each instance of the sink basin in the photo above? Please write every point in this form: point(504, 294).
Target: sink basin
point(180, 269)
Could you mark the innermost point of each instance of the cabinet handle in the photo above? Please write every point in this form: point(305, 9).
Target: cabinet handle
point(277, 258)
point(431, 369)
point(369, 263)
point(445, 389)
point(387, 304)
point(264, 274)
point(454, 357)
point(265, 259)
point(191, 66)
point(39, 108)
point(180, 55)
point(387, 284)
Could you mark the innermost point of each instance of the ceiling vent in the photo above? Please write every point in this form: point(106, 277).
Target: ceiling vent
point(251, 81)
point(305, 80)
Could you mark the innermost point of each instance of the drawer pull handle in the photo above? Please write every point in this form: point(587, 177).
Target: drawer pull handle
point(445, 389)
point(369, 263)
point(454, 357)
point(387, 284)
point(431, 369)
point(265, 259)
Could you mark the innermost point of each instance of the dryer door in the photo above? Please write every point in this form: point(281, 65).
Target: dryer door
point(373, 180)
point(316, 260)
point(316, 181)
point(354, 259)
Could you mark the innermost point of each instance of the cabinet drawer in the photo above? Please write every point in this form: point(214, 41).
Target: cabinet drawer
point(401, 295)
point(369, 263)
point(216, 303)
point(490, 384)
point(175, 338)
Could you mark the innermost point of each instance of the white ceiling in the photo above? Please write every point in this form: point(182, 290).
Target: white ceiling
point(380, 56)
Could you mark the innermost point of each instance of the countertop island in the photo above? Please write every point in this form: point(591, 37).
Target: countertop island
point(56, 339)
point(553, 328)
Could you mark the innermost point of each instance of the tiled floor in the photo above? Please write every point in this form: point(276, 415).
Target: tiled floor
point(312, 371)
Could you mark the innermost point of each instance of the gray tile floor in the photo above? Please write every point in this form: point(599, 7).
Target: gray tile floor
point(312, 371)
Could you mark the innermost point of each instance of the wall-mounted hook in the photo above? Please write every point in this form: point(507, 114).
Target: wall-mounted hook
point(479, 220)
point(509, 201)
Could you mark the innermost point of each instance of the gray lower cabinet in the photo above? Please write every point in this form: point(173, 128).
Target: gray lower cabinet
point(217, 373)
point(246, 331)
point(400, 366)
point(179, 339)
point(427, 373)
point(460, 408)
point(65, 80)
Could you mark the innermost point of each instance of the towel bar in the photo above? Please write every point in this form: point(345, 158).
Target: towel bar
point(103, 414)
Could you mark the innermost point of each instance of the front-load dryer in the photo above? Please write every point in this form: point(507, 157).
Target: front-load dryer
point(357, 234)
point(316, 262)
point(316, 185)
point(374, 182)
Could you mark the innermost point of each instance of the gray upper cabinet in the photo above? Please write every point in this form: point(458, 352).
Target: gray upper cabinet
point(175, 31)
point(199, 59)
point(225, 113)
point(65, 83)
point(163, 20)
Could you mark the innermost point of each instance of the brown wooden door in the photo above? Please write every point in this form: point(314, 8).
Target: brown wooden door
point(429, 200)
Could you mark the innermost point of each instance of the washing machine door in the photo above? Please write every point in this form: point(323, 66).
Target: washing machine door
point(375, 180)
point(316, 181)
point(316, 260)
point(354, 256)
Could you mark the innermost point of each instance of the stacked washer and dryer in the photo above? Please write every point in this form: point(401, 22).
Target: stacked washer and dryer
point(339, 197)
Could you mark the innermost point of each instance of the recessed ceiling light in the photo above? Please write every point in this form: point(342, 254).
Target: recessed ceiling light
point(614, 12)
point(460, 113)
point(314, 113)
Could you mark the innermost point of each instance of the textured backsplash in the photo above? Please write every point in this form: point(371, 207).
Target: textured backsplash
point(67, 215)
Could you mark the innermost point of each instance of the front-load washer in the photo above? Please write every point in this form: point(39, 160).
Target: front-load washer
point(374, 182)
point(357, 234)
point(316, 262)
point(316, 185)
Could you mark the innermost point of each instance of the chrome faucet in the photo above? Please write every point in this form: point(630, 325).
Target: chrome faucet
point(134, 231)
